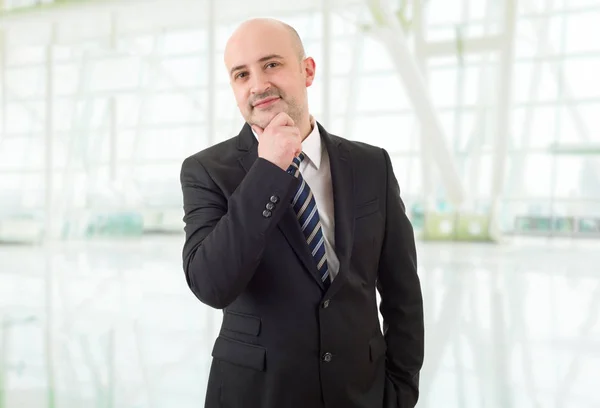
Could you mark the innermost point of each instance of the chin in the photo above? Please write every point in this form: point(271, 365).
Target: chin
point(264, 118)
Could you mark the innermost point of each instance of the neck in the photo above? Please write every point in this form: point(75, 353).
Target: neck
point(307, 127)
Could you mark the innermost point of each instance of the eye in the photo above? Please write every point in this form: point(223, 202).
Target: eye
point(272, 64)
point(241, 75)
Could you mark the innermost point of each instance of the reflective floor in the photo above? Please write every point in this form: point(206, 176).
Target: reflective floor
point(113, 324)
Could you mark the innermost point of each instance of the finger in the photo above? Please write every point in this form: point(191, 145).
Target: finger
point(282, 119)
point(258, 130)
point(291, 132)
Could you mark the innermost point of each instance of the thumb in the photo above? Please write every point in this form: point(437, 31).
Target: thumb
point(259, 131)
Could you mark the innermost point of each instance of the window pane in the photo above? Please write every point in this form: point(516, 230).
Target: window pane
point(535, 127)
point(534, 82)
point(381, 93)
point(397, 133)
point(583, 32)
point(582, 77)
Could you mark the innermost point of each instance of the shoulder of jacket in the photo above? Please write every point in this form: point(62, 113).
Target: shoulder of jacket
point(219, 152)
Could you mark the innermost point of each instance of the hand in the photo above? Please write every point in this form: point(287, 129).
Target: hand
point(280, 141)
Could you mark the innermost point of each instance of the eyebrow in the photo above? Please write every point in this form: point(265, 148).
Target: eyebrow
point(263, 59)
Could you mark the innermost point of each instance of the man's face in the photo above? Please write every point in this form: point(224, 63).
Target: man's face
point(267, 74)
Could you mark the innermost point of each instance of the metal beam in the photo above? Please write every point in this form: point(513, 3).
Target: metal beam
point(468, 46)
point(576, 149)
point(77, 136)
point(145, 91)
point(44, 7)
point(545, 50)
point(516, 180)
point(566, 96)
point(391, 34)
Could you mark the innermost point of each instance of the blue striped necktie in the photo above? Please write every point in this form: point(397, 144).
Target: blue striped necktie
point(305, 206)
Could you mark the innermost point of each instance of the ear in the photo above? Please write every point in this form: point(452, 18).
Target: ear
point(309, 70)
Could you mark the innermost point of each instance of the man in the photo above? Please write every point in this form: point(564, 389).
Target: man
point(290, 230)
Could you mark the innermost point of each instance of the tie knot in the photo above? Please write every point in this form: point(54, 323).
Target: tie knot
point(295, 166)
point(298, 160)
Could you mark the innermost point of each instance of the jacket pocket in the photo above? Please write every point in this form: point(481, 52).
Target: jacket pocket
point(377, 347)
point(241, 323)
point(365, 209)
point(242, 354)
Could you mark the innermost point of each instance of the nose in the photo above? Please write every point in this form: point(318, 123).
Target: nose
point(259, 83)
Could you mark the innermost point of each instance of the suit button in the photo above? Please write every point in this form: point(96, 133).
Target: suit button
point(270, 206)
point(274, 199)
point(326, 304)
point(327, 357)
point(266, 213)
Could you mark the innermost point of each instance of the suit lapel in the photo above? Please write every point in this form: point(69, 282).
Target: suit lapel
point(288, 224)
point(342, 180)
point(290, 227)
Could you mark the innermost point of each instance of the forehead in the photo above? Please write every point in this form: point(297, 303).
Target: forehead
point(249, 45)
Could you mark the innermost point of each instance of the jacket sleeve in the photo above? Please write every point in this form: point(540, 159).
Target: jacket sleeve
point(401, 299)
point(225, 238)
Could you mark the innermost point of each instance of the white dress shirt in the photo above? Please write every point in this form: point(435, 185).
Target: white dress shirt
point(316, 171)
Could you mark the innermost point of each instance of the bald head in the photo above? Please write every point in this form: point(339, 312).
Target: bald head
point(295, 38)
point(271, 26)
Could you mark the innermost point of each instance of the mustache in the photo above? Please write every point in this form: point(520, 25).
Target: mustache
point(268, 94)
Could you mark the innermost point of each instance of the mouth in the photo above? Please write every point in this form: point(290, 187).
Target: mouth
point(265, 102)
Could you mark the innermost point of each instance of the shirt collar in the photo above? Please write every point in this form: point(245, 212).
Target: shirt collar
point(311, 146)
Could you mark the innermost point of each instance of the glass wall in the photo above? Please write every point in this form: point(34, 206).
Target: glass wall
point(113, 109)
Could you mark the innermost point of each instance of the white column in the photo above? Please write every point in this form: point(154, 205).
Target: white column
point(504, 103)
point(326, 65)
point(49, 136)
point(3, 82)
point(3, 360)
point(112, 148)
point(48, 219)
point(212, 86)
point(353, 84)
point(427, 162)
point(113, 152)
point(211, 102)
point(49, 326)
point(458, 130)
point(484, 101)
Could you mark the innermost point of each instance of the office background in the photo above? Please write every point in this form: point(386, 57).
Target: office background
point(489, 109)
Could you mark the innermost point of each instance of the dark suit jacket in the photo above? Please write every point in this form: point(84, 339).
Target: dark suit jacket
point(285, 342)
